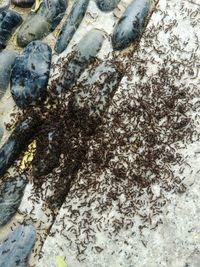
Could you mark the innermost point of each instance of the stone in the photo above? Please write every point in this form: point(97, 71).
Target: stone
point(23, 3)
point(7, 59)
point(9, 21)
point(71, 24)
point(30, 74)
point(42, 20)
point(16, 248)
point(130, 25)
point(11, 193)
point(80, 58)
point(107, 5)
point(18, 140)
point(4, 5)
point(94, 93)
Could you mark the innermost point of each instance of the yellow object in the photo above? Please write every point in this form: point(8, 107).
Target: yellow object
point(37, 5)
point(28, 157)
point(88, 22)
point(56, 32)
point(60, 262)
point(13, 39)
